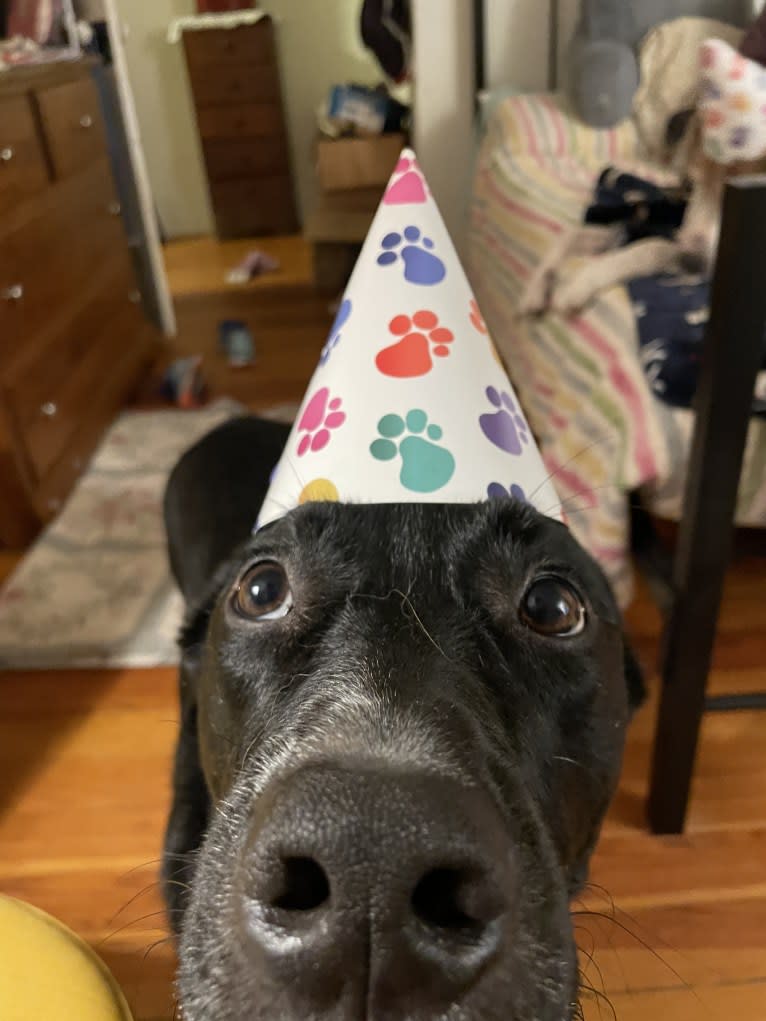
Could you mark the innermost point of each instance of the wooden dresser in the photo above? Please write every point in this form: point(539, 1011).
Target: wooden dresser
point(74, 340)
point(234, 76)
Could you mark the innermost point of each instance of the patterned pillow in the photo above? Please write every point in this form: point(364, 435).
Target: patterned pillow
point(732, 103)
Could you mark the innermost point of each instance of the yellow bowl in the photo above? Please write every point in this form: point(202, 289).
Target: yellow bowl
point(47, 972)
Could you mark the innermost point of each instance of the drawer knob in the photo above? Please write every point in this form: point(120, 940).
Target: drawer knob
point(86, 121)
point(134, 297)
point(13, 293)
point(114, 208)
point(6, 154)
point(49, 409)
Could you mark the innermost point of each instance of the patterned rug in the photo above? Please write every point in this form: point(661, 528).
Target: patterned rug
point(95, 590)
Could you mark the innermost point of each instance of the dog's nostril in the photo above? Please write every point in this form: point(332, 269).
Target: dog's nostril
point(303, 885)
point(454, 900)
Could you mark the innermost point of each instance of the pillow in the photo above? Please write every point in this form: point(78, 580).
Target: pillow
point(733, 104)
point(669, 62)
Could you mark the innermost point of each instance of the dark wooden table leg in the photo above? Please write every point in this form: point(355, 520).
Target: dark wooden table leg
point(731, 359)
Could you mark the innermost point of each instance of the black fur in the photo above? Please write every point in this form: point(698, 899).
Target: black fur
point(403, 671)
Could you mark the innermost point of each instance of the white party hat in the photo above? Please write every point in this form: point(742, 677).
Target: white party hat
point(410, 402)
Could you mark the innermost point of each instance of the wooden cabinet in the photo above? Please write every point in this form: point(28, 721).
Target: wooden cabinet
point(74, 340)
point(234, 77)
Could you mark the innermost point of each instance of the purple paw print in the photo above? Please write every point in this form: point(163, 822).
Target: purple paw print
point(504, 427)
point(341, 318)
point(497, 491)
point(421, 265)
point(739, 137)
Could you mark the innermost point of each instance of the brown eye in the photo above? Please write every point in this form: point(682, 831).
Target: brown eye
point(263, 592)
point(553, 608)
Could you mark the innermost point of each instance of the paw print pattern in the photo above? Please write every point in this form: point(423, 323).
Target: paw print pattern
point(477, 320)
point(421, 339)
point(341, 318)
point(321, 417)
point(408, 186)
point(504, 427)
point(421, 266)
point(497, 491)
point(426, 466)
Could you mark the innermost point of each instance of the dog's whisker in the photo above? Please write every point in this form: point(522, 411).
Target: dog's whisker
point(157, 943)
point(135, 921)
point(291, 465)
point(406, 601)
point(137, 868)
point(646, 945)
point(559, 468)
point(133, 899)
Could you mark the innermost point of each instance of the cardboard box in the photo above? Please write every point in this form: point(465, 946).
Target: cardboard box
point(346, 164)
point(336, 229)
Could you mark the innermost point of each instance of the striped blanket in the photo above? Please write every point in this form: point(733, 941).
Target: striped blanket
point(601, 430)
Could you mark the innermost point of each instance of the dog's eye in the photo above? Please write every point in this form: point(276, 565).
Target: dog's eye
point(553, 608)
point(263, 592)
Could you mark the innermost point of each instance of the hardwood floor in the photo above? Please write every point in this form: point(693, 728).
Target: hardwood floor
point(676, 926)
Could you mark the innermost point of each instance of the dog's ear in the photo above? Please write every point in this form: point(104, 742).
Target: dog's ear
point(634, 677)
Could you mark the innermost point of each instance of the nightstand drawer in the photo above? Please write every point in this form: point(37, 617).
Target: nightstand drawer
point(253, 120)
point(247, 44)
point(235, 83)
point(251, 157)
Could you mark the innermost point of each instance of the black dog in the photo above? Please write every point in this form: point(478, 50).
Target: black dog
point(401, 727)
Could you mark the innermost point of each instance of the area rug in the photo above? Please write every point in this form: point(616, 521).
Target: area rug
point(95, 590)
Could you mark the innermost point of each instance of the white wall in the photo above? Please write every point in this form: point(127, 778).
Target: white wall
point(517, 41)
point(443, 104)
point(165, 114)
point(318, 46)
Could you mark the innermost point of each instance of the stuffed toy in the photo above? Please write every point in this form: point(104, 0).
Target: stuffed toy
point(410, 402)
point(46, 972)
point(603, 70)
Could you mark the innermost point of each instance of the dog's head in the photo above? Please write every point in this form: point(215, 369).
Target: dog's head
point(411, 720)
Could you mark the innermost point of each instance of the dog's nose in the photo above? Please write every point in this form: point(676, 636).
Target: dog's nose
point(382, 889)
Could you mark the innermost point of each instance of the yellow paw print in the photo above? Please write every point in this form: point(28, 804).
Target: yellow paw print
point(318, 491)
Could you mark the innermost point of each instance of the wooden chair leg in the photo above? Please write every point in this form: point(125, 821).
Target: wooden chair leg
point(731, 359)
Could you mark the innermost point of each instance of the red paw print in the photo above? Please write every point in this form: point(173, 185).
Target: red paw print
point(422, 338)
point(477, 319)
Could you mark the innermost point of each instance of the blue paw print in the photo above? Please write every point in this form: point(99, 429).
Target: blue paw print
point(497, 491)
point(341, 318)
point(421, 266)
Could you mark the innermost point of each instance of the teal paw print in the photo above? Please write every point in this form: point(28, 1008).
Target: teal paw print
point(426, 466)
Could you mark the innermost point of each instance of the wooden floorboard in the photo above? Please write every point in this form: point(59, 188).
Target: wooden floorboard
point(676, 926)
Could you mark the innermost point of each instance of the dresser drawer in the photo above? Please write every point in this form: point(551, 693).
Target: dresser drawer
point(254, 120)
point(23, 170)
point(53, 255)
point(254, 206)
point(51, 394)
point(72, 124)
point(248, 44)
point(235, 83)
point(253, 157)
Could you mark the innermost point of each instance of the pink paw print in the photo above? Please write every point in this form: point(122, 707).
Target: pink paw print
point(409, 187)
point(320, 417)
